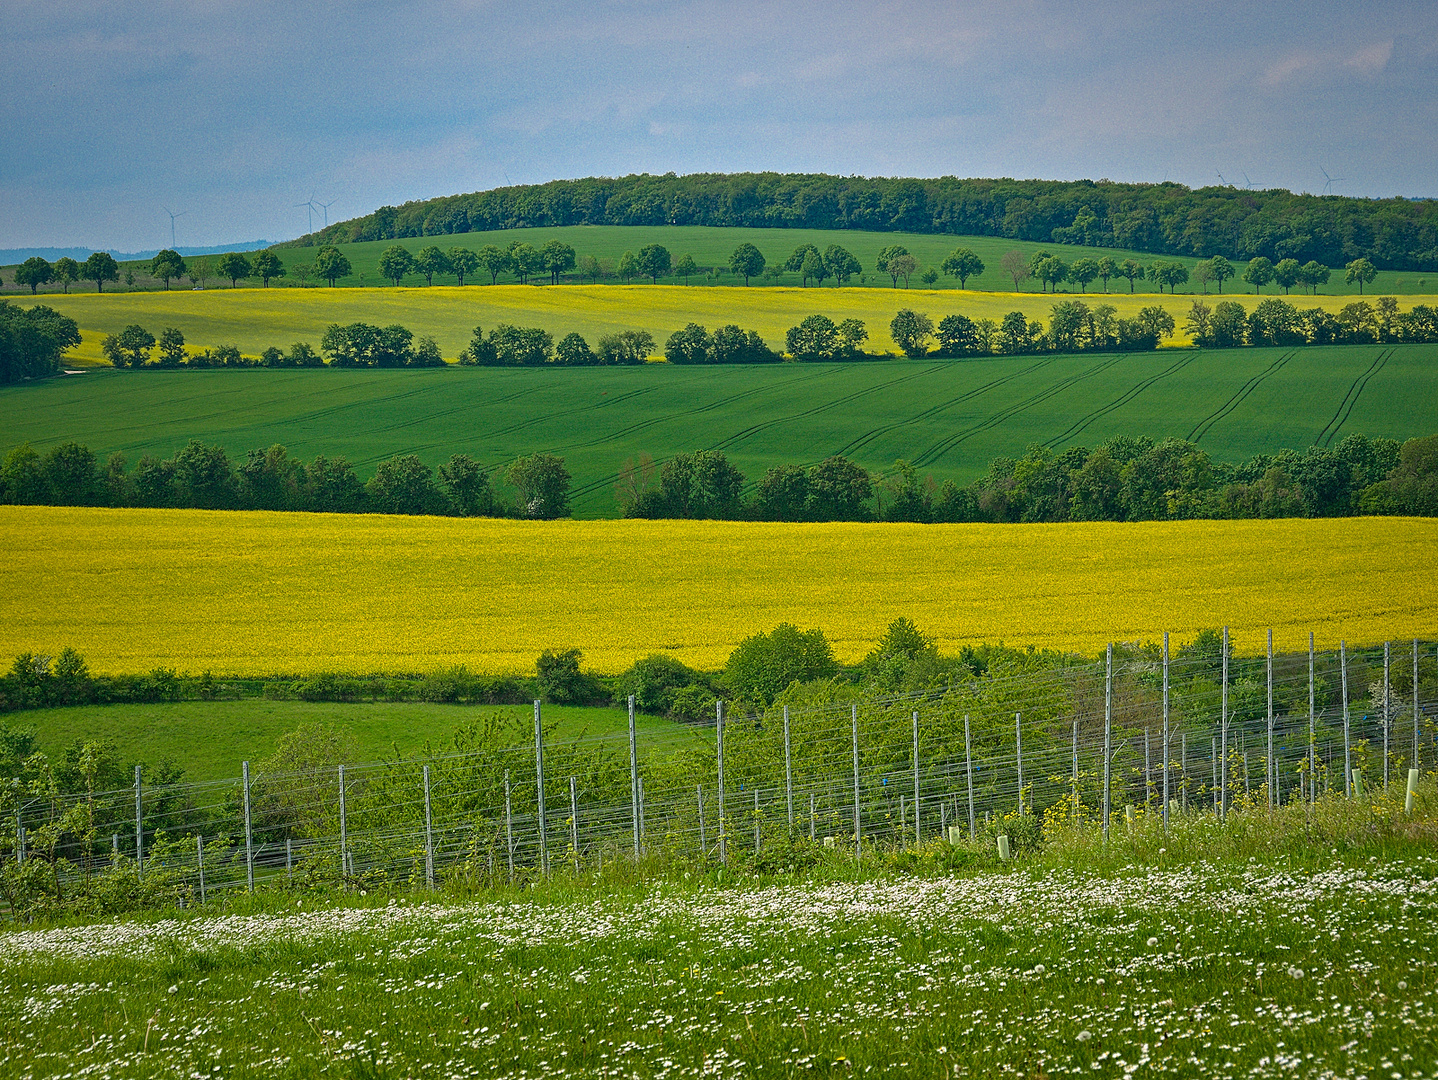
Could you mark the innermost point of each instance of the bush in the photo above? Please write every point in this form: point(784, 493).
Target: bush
point(560, 682)
point(654, 680)
point(765, 665)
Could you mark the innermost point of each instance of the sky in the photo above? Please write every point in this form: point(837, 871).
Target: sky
point(231, 113)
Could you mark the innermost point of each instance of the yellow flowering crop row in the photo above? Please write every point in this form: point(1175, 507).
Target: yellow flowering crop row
point(259, 593)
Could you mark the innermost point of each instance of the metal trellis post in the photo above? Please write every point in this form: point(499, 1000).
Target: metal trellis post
point(139, 830)
point(249, 833)
point(788, 773)
point(1107, 733)
point(1019, 757)
point(574, 822)
point(539, 790)
point(1347, 741)
point(428, 835)
point(1166, 734)
point(633, 776)
point(344, 829)
point(858, 832)
point(969, 771)
point(1222, 738)
point(1270, 771)
point(719, 744)
point(917, 819)
point(508, 825)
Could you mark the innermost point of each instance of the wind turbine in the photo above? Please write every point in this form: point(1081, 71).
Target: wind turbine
point(1331, 180)
point(309, 204)
point(325, 206)
point(173, 216)
point(1247, 183)
point(1221, 180)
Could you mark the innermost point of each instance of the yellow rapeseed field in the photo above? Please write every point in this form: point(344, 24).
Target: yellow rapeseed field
point(259, 593)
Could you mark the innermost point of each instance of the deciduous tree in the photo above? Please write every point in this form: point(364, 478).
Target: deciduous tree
point(963, 263)
point(685, 268)
point(100, 267)
point(1259, 273)
point(911, 332)
point(233, 265)
point(331, 264)
point(654, 262)
point(1016, 265)
point(542, 482)
point(1132, 270)
point(892, 251)
point(1360, 271)
point(395, 262)
point(36, 271)
point(747, 261)
point(1083, 271)
point(841, 264)
point(129, 348)
point(267, 265)
point(462, 263)
point(431, 261)
point(557, 258)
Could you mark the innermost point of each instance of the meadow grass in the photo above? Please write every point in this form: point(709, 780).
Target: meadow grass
point(254, 593)
point(253, 319)
point(210, 738)
point(951, 418)
point(1212, 954)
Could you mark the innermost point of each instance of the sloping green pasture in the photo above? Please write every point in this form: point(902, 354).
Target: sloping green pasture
point(949, 417)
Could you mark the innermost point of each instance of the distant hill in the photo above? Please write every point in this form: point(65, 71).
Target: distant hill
point(11, 256)
point(1161, 219)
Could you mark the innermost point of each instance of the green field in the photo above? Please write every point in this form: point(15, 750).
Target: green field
point(951, 418)
point(711, 247)
point(209, 739)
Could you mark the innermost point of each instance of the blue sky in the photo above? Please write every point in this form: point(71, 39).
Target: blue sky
point(232, 112)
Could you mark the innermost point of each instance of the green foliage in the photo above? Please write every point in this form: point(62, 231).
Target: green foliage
point(764, 665)
point(168, 264)
point(558, 677)
point(911, 332)
point(542, 482)
point(33, 341)
point(100, 267)
point(747, 261)
point(129, 348)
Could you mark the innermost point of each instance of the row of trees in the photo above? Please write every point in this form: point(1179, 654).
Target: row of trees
point(203, 477)
point(1125, 479)
point(1277, 322)
point(1161, 219)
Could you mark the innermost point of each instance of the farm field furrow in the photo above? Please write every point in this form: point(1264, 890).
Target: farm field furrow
point(256, 593)
point(254, 319)
point(950, 417)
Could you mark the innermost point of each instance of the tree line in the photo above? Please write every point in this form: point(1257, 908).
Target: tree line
point(203, 477)
point(1124, 479)
point(1160, 219)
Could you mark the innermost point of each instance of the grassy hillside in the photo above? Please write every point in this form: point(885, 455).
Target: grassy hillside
point(711, 247)
point(251, 593)
point(951, 417)
point(210, 738)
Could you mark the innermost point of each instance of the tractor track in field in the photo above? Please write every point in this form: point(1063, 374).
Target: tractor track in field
point(1204, 426)
point(644, 425)
point(753, 429)
point(1345, 407)
point(1123, 399)
point(869, 436)
point(944, 445)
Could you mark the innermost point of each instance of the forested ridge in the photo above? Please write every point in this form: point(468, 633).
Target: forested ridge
point(1166, 218)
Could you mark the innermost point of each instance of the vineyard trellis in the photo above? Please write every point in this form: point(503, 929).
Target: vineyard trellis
point(1146, 733)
